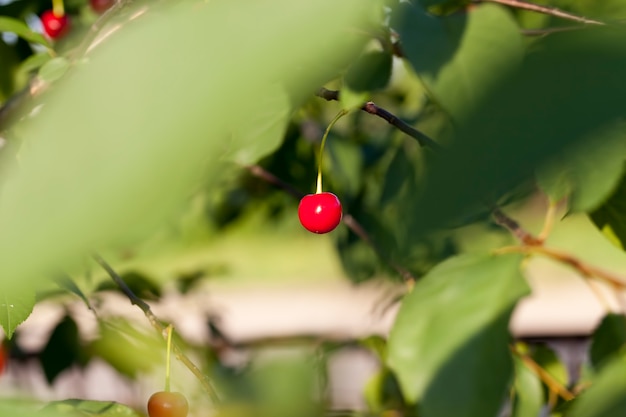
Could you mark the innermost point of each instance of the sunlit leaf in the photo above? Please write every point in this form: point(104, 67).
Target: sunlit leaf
point(156, 107)
point(14, 309)
point(529, 398)
point(605, 398)
point(453, 326)
point(19, 27)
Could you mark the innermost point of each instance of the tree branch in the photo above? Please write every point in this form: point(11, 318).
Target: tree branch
point(371, 108)
point(552, 11)
point(586, 270)
point(156, 323)
point(514, 227)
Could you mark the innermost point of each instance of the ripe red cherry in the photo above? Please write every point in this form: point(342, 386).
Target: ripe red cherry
point(168, 404)
point(55, 26)
point(319, 213)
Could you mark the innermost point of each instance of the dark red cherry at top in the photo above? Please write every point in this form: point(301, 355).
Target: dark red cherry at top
point(320, 213)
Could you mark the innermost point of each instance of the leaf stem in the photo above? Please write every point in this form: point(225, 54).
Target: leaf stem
point(168, 357)
point(342, 112)
point(554, 386)
point(58, 9)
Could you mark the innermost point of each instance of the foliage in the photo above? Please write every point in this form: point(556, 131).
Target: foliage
point(161, 127)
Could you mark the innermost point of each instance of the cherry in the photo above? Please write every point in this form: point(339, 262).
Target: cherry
point(168, 404)
point(4, 358)
point(101, 6)
point(320, 213)
point(55, 26)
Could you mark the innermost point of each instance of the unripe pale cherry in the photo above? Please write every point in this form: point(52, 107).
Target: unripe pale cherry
point(320, 213)
point(168, 404)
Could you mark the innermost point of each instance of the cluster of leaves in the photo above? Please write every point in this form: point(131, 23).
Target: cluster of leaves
point(167, 103)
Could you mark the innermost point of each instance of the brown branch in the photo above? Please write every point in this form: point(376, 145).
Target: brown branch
point(552, 11)
point(514, 227)
point(350, 222)
point(156, 323)
point(588, 271)
point(545, 377)
point(371, 108)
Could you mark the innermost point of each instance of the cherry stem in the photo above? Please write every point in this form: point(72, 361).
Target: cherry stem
point(58, 8)
point(168, 357)
point(319, 166)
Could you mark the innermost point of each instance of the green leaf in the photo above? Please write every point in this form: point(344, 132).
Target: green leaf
point(62, 349)
point(54, 69)
point(370, 72)
point(460, 57)
point(525, 122)
point(133, 132)
point(451, 329)
point(351, 100)
point(605, 398)
point(9, 24)
point(608, 339)
point(92, 408)
point(529, 398)
point(550, 362)
point(14, 309)
point(34, 62)
point(587, 174)
point(610, 217)
point(128, 349)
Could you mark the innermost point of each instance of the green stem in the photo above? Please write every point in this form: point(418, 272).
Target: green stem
point(319, 166)
point(168, 358)
point(58, 8)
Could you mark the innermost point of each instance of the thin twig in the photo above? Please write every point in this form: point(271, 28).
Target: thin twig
point(552, 11)
point(588, 271)
point(514, 227)
point(350, 222)
point(371, 108)
point(156, 323)
point(553, 385)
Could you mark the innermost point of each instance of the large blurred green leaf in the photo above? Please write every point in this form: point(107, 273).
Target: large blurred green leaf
point(568, 89)
point(453, 327)
point(460, 57)
point(157, 104)
point(605, 398)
